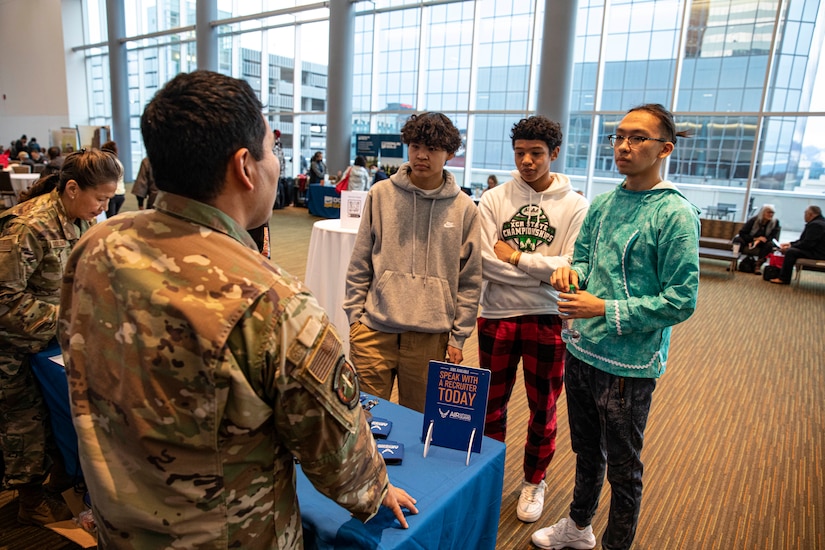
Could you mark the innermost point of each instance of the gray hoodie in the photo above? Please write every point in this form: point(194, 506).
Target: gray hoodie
point(416, 264)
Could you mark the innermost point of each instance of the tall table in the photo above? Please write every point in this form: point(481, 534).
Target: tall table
point(330, 248)
point(458, 505)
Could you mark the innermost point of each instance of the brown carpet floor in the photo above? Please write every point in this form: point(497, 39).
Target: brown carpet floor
point(734, 446)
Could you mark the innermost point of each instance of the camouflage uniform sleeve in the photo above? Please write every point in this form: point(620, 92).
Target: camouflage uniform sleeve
point(315, 393)
point(22, 312)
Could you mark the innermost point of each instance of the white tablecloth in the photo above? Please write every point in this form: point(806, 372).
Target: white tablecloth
point(330, 248)
point(21, 182)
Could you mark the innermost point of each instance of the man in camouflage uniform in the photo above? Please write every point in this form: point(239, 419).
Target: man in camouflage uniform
point(197, 369)
point(36, 239)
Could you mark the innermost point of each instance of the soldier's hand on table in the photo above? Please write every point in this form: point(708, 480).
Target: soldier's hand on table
point(395, 500)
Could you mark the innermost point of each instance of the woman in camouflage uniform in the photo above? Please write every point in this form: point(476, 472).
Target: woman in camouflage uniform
point(36, 237)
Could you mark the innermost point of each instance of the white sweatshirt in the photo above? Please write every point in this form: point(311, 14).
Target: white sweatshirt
point(544, 226)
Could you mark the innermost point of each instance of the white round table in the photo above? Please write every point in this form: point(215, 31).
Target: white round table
point(330, 248)
point(21, 182)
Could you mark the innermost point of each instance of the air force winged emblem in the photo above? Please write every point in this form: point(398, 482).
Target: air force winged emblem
point(443, 413)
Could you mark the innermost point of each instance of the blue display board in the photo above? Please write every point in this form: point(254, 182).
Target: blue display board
point(456, 405)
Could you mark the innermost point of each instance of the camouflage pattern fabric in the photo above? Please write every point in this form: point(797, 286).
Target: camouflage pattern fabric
point(36, 238)
point(197, 371)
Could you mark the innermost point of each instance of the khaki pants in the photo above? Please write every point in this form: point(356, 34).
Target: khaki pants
point(380, 358)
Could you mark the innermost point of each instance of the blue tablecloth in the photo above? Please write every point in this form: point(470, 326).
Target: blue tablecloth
point(459, 506)
point(323, 201)
point(55, 388)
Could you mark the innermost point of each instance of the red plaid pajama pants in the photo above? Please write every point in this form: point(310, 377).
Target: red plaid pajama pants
point(536, 341)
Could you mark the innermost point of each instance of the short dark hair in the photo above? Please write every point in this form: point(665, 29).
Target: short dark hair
point(816, 210)
point(53, 152)
point(433, 130)
point(88, 167)
point(537, 128)
point(666, 122)
point(203, 111)
point(360, 161)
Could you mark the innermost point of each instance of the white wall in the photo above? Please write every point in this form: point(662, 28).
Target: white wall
point(34, 95)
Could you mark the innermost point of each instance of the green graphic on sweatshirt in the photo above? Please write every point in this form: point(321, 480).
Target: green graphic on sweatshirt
point(529, 227)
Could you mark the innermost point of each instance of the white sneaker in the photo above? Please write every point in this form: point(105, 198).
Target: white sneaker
point(564, 534)
point(531, 501)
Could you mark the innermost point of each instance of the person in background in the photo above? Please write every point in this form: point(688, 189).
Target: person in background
point(378, 173)
point(36, 237)
point(757, 235)
point(359, 177)
point(20, 146)
point(120, 194)
point(811, 244)
point(33, 145)
point(145, 188)
point(55, 158)
point(414, 278)
point(317, 168)
point(219, 369)
point(37, 157)
point(492, 181)
point(637, 256)
point(529, 226)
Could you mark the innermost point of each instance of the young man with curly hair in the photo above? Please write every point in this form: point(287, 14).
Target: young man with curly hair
point(415, 275)
point(529, 226)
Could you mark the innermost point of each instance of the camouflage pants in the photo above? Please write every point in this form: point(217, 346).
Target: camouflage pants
point(23, 422)
point(607, 416)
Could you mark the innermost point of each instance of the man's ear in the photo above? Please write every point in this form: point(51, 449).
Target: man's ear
point(667, 149)
point(554, 154)
point(240, 167)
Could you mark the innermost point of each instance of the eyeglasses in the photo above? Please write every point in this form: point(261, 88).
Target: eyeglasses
point(632, 141)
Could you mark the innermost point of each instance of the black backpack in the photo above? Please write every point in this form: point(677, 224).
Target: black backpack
point(748, 264)
point(770, 272)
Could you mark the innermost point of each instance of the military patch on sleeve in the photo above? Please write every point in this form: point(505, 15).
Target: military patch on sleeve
point(325, 355)
point(345, 384)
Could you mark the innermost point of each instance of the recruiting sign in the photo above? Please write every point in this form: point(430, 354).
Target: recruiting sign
point(456, 405)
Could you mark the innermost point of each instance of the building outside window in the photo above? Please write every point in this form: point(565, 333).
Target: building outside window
point(743, 76)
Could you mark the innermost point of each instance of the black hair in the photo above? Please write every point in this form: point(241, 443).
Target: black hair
point(666, 122)
point(203, 111)
point(433, 130)
point(360, 161)
point(88, 167)
point(538, 128)
point(53, 152)
point(816, 210)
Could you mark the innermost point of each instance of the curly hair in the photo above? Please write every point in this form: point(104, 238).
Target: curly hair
point(433, 130)
point(537, 128)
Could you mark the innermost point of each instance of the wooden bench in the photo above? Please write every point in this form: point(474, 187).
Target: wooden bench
point(720, 254)
point(810, 265)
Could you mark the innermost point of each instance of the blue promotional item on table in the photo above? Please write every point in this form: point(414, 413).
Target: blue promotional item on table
point(380, 427)
point(455, 407)
point(458, 505)
point(392, 451)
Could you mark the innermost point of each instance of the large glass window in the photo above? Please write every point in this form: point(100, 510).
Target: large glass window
point(746, 77)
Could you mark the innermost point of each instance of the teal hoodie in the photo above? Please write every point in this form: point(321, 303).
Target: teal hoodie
point(639, 251)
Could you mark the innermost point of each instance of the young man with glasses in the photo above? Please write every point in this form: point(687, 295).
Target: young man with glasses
point(637, 258)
